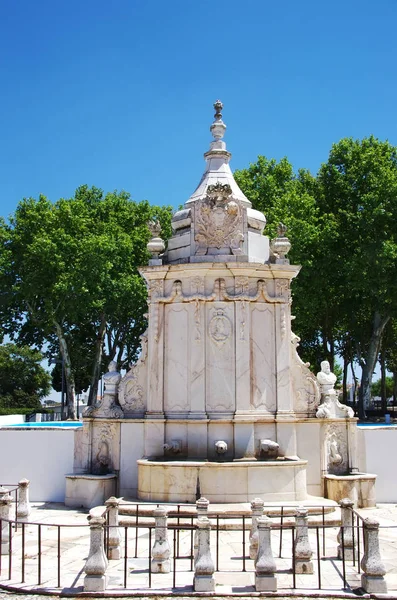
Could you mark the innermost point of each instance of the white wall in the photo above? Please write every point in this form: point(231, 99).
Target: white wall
point(11, 419)
point(377, 451)
point(44, 456)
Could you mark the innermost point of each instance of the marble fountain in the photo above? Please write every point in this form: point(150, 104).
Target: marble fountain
point(219, 403)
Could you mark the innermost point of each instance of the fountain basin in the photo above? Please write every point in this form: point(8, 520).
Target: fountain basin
point(359, 487)
point(221, 482)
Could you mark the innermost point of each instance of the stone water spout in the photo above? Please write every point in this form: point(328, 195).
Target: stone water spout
point(174, 447)
point(220, 447)
point(268, 449)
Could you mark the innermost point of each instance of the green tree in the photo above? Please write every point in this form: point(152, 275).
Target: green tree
point(71, 272)
point(376, 388)
point(274, 189)
point(358, 191)
point(23, 381)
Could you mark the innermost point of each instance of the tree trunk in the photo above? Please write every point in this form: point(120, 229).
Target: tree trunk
point(344, 384)
point(383, 392)
point(394, 389)
point(69, 377)
point(355, 381)
point(96, 371)
point(369, 362)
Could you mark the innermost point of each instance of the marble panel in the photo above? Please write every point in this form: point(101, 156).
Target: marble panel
point(176, 431)
point(155, 359)
point(244, 440)
point(131, 449)
point(179, 241)
point(258, 247)
point(177, 359)
point(243, 375)
point(283, 357)
point(286, 437)
point(197, 439)
point(263, 368)
point(154, 438)
point(197, 350)
point(220, 360)
point(308, 437)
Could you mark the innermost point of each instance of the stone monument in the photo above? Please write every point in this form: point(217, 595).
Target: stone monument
point(219, 403)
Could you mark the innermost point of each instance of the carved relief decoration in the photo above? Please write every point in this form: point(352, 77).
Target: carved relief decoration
point(220, 293)
point(132, 389)
point(304, 383)
point(102, 451)
point(220, 327)
point(218, 221)
point(336, 448)
point(243, 320)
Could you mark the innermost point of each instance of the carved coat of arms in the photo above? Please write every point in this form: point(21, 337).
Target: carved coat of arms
point(218, 221)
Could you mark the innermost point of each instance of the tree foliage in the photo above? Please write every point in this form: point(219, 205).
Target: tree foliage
point(23, 381)
point(343, 228)
point(71, 279)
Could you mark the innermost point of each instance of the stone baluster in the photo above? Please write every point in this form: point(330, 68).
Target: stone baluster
point(96, 565)
point(265, 565)
point(372, 580)
point(346, 514)
point(161, 548)
point(204, 580)
point(257, 512)
point(114, 536)
point(5, 516)
point(202, 505)
point(303, 551)
point(24, 508)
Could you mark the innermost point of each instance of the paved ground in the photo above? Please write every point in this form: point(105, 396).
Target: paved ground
point(72, 540)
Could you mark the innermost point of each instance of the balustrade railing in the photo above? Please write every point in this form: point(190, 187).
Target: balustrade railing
point(173, 546)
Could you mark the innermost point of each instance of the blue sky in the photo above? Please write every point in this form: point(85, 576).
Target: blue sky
point(119, 94)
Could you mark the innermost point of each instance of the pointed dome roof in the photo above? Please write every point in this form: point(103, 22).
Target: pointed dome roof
point(218, 169)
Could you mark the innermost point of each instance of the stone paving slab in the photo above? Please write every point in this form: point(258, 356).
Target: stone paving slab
point(229, 580)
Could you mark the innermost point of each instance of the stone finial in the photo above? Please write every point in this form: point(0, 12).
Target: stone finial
point(373, 580)
point(202, 505)
point(218, 127)
point(156, 244)
point(280, 246)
